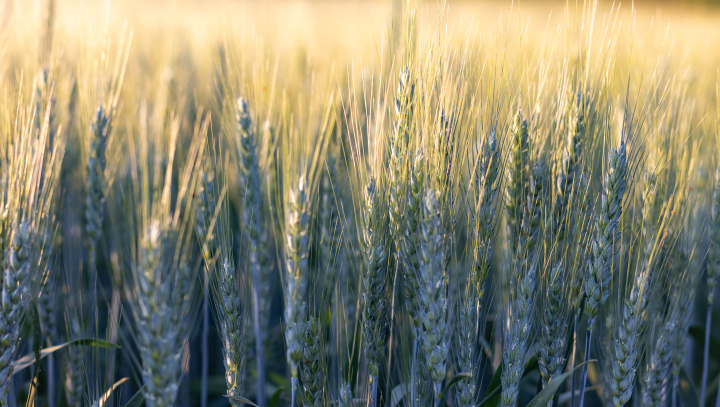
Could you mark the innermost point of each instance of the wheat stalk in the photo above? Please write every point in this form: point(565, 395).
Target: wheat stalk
point(659, 366)
point(518, 180)
point(95, 199)
point(398, 151)
point(374, 282)
point(296, 263)
point(30, 168)
point(160, 278)
point(433, 287)
point(252, 207)
point(517, 336)
point(627, 341)
point(484, 217)
point(569, 164)
point(231, 328)
point(410, 244)
point(604, 246)
point(553, 327)
point(74, 368)
point(311, 365)
point(466, 354)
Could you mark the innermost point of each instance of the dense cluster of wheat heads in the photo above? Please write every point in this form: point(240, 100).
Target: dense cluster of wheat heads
point(451, 220)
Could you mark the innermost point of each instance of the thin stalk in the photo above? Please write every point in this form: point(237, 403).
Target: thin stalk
point(204, 342)
point(112, 337)
point(392, 318)
point(717, 401)
point(706, 350)
point(334, 386)
point(571, 363)
point(258, 333)
point(413, 371)
point(373, 395)
point(478, 351)
point(588, 340)
point(51, 381)
point(293, 393)
point(676, 382)
point(11, 399)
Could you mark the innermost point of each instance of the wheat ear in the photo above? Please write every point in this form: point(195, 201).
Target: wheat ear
point(95, 199)
point(311, 365)
point(568, 168)
point(599, 270)
point(433, 290)
point(518, 179)
point(252, 206)
point(551, 357)
point(398, 151)
point(296, 263)
point(231, 328)
point(374, 283)
point(659, 365)
point(517, 336)
point(627, 341)
point(466, 353)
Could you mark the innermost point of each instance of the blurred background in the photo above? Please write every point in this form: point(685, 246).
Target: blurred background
point(180, 42)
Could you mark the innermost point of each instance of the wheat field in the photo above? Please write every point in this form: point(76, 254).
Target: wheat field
point(391, 203)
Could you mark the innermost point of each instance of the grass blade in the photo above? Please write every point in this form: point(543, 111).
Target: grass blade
point(29, 359)
point(442, 400)
point(275, 398)
point(138, 399)
point(547, 393)
point(241, 399)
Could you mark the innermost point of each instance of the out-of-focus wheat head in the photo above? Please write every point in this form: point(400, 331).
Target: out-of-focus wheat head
point(30, 169)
